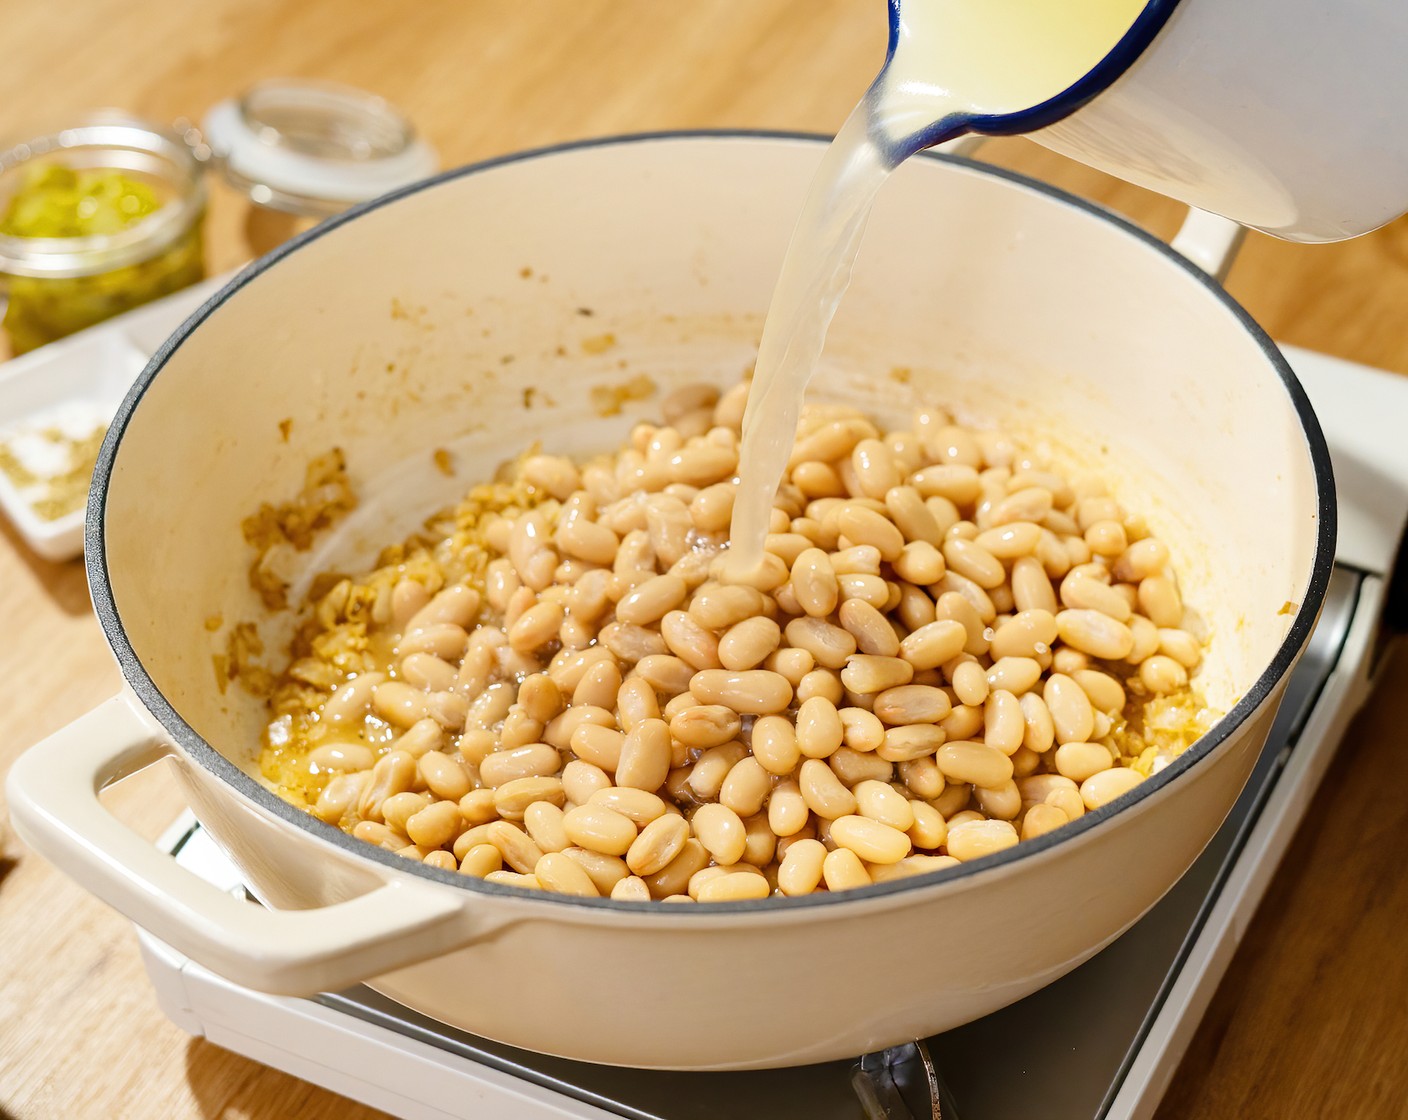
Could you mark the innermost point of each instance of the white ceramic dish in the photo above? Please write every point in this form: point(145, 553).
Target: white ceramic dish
point(89, 371)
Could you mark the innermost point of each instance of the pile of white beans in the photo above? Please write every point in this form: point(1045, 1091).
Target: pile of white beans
point(937, 659)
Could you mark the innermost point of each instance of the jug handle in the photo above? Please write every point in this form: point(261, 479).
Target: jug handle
point(53, 794)
point(1208, 240)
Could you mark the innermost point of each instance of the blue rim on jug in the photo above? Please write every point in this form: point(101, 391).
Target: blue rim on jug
point(1126, 51)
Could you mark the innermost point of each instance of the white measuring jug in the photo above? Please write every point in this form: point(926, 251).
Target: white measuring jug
point(1284, 115)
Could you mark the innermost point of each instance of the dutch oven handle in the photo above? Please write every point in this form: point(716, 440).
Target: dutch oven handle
point(1210, 241)
point(53, 794)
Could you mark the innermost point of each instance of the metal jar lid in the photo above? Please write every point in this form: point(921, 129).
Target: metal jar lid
point(314, 148)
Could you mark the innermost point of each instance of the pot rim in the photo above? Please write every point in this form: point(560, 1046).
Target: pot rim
point(199, 751)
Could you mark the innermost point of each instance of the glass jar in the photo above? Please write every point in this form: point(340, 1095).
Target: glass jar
point(126, 199)
point(303, 150)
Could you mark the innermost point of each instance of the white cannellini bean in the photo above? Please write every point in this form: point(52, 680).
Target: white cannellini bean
point(938, 653)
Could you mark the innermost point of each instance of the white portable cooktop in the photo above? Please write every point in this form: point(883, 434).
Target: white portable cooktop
point(1102, 1042)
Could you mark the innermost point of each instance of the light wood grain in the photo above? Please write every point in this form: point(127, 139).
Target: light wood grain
point(1310, 1021)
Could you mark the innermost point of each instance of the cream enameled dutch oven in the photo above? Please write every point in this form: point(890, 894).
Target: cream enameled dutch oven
point(452, 316)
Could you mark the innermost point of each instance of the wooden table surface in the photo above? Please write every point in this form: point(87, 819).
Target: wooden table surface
point(1312, 1019)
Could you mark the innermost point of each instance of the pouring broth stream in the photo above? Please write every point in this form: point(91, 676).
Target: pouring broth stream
point(953, 60)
